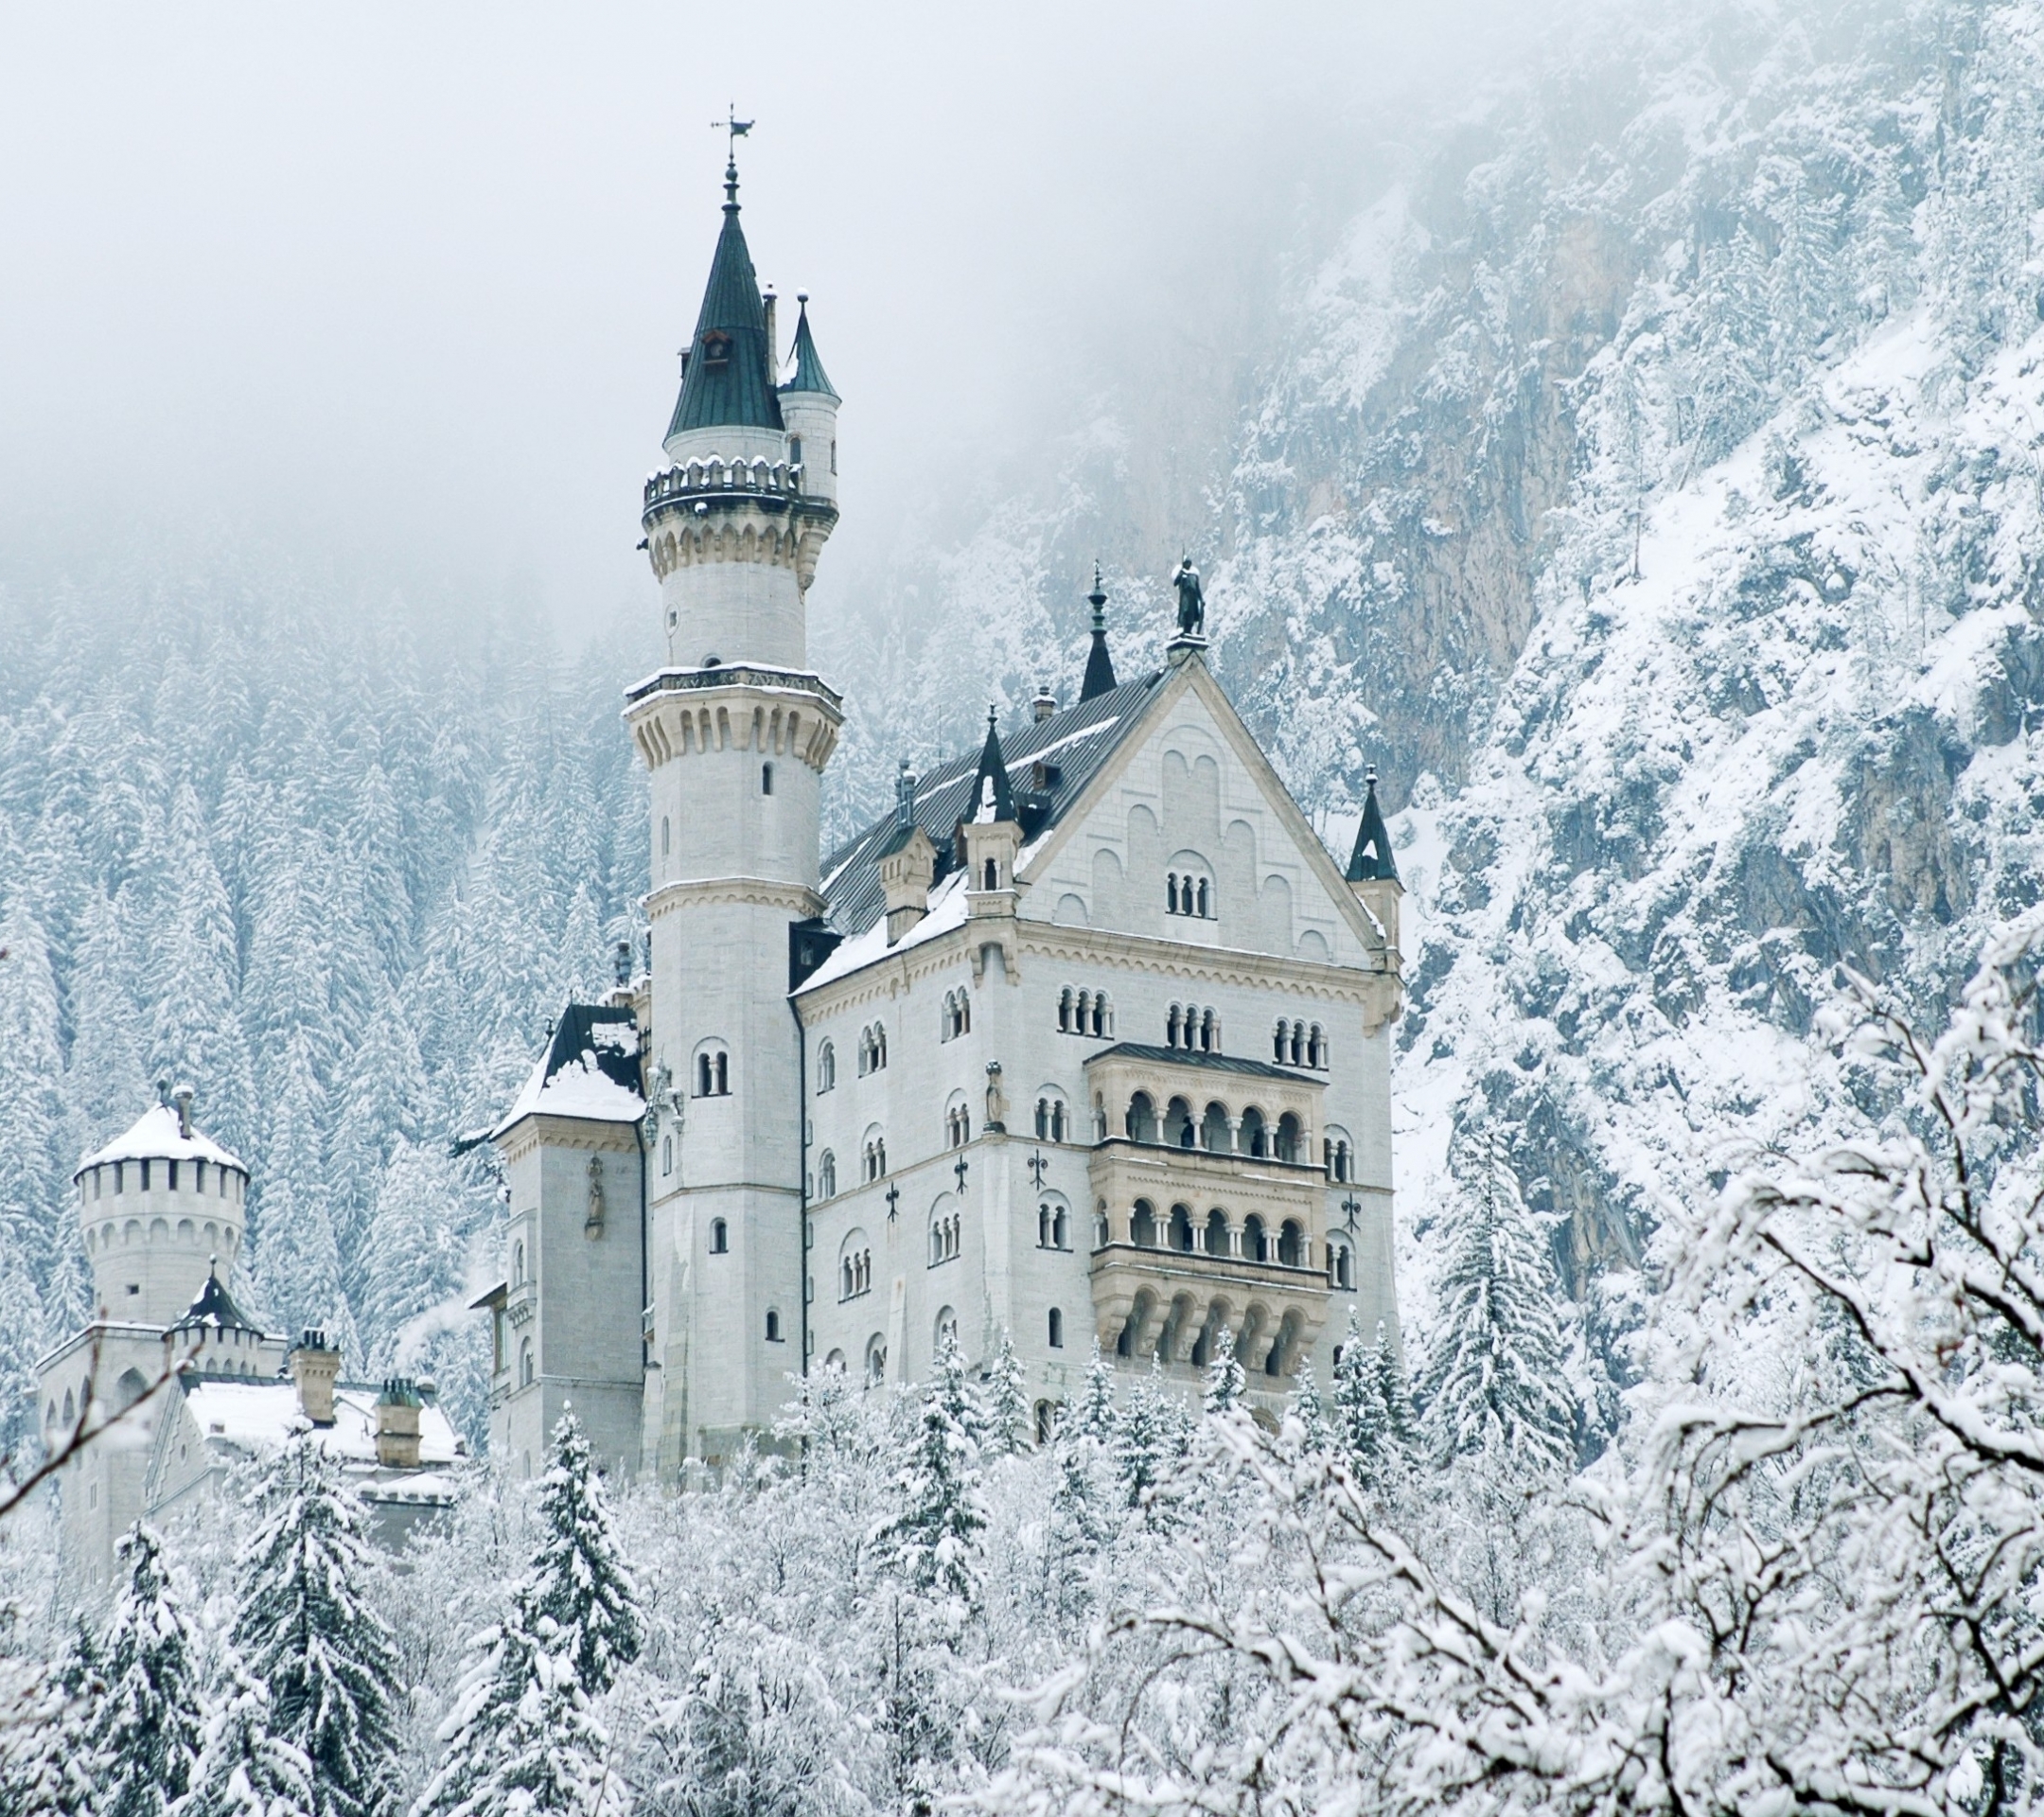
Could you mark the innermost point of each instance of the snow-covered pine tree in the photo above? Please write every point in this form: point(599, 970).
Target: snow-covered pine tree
point(1358, 1414)
point(152, 1722)
point(553, 1756)
point(1148, 1446)
point(1495, 1381)
point(933, 1542)
point(323, 1659)
point(246, 1769)
point(1226, 1379)
point(1008, 1411)
point(47, 1721)
point(1308, 1409)
point(1400, 1426)
point(1097, 1417)
point(494, 1678)
point(580, 1581)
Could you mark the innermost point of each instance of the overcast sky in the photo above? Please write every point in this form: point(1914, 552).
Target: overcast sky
point(402, 286)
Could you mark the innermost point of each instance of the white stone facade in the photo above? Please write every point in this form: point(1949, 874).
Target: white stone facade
point(909, 1091)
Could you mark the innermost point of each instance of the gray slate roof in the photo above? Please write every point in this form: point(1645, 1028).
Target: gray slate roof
point(737, 387)
point(1214, 1061)
point(1074, 743)
point(809, 373)
point(1371, 862)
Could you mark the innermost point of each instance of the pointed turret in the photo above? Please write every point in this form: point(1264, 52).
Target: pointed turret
point(1371, 860)
point(992, 798)
point(1100, 676)
point(809, 374)
point(727, 372)
point(989, 842)
point(1373, 874)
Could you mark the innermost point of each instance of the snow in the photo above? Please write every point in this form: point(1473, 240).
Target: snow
point(260, 1416)
point(155, 1136)
point(580, 1087)
point(947, 911)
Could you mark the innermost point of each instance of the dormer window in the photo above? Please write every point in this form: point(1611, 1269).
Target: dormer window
point(716, 348)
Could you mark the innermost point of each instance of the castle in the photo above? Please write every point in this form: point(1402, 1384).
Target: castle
point(1087, 1039)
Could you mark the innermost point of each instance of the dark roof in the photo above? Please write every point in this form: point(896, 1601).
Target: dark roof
point(574, 1041)
point(1098, 664)
point(992, 769)
point(1371, 862)
point(1216, 1062)
point(213, 1307)
point(729, 374)
point(809, 373)
point(1044, 782)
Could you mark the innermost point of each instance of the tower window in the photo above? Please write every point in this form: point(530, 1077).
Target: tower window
point(666, 1155)
point(826, 1069)
point(794, 451)
point(774, 1325)
point(713, 1073)
point(1057, 1329)
point(666, 837)
point(719, 1237)
point(766, 779)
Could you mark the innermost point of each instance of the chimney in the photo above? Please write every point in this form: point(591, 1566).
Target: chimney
point(314, 1368)
point(773, 344)
point(397, 1424)
point(909, 863)
point(182, 1097)
point(1045, 703)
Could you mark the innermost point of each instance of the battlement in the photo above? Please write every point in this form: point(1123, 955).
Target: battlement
point(714, 480)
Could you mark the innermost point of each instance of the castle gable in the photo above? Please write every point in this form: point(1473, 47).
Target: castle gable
point(1186, 834)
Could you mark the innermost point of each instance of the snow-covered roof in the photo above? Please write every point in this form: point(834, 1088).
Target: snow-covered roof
point(155, 1136)
point(591, 1071)
point(260, 1416)
point(947, 911)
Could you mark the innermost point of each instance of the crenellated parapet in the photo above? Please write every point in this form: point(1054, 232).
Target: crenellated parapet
point(717, 509)
point(771, 713)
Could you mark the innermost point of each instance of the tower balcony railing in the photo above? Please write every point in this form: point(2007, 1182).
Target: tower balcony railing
point(768, 483)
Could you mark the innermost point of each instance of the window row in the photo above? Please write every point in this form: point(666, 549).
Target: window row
point(210, 1236)
point(1288, 1247)
point(713, 1073)
point(1192, 1030)
point(1080, 1012)
point(125, 1176)
point(855, 1266)
point(944, 1331)
point(1217, 1129)
point(956, 1013)
point(1299, 1044)
point(1053, 1120)
point(872, 1049)
point(957, 1121)
point(947, 1232)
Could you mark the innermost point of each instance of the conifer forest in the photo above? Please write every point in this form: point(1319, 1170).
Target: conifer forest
point(1642, 479)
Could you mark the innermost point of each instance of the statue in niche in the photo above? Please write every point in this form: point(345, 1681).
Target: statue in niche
point(592, 1224)
point(997, 1101)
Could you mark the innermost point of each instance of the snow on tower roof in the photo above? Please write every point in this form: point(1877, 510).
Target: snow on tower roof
point(256, 1417)
point(591, 1071)
point(156, 1136)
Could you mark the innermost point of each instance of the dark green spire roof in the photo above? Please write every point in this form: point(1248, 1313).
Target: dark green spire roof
point(1371, 862)
point(809, 373)
point(729, 370)
point(1098, 664)
point(993, 766)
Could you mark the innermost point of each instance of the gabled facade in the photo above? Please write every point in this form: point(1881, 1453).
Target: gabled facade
point(1087, 1038)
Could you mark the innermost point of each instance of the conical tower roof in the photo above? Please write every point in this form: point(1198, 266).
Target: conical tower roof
point(213, 1307)
point(1371, 860)
point(1100, 677)
point(728, 378)
point(809, 373)
point(992, 798)
point(160, 1134)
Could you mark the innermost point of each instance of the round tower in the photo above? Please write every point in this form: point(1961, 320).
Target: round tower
point(158, 1204)
point(733, 527)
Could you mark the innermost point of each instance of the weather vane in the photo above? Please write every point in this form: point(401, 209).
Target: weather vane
point(732, 126)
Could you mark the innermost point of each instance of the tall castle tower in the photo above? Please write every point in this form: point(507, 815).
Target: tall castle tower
point(736, 733)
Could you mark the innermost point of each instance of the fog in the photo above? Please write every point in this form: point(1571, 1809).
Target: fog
point(398, 291)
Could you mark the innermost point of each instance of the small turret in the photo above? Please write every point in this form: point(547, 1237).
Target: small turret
point(1100, 676)
point(908, 862)
point(1372, 871)
point(809, 408)
point(990, 833)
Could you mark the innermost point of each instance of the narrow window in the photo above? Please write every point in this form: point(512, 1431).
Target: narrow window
point(1045, 1422)
point(723, 1075)
point(993, 874)
point(1057, 1329)
point(719, 1237)
point(666, 837)
point(144, 1176)
point(766, 779)
point(774, 1325)
point(666, 1155)
point(794, 451)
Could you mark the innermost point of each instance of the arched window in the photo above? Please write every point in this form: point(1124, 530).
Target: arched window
point(990, 875)
point(1338, 1154)
point(956, 1013)
point(855, 1265)
point(873, 1049)
point(1142, 1226)
point(836, 1360)
point(666, 1155)
point(1291, 1135)
point(944, 1334)
point(1045, 1422)
point(1189, 887)
point(1141, 1124)
point(957, 1121)
point(826, 1176)
point(1340, 1267)
point(1254, 1245)
point(1181, 1228)
point(1065, 1006)
point(517, 1265)
point(766, 779)
point(1057, 1329)
point(526, 1363)
point(1316, 1054)
point(1292, 1245)
point(1255, 1135)
point(1216, 1243)
point(826, 1069)
point(875, 1359)
point(666, 837)
point(946, 1231)
point(1053, 1224)
point(713, 1072)
point(1053, 1118)
point(719, 1237)
point(774, 1325)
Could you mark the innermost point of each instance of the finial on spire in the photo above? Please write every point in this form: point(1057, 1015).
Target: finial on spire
point(1100, 674)
point(905, 788)
point(1098, 600)
point(735, 130)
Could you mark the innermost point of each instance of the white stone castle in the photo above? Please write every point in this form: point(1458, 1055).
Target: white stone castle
point(1088, 1038)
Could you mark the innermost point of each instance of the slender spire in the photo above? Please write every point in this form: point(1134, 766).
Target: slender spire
point(809, 373)
point(992, 798)
point(1371, 860)
point(1100, 676)
point(728, 373)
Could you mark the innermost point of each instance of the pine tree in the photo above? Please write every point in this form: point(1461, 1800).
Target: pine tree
point(1149, 1447)
point(326, 1662)
point(1226, 1380)
point(1008, 1412)
point(1494, 1383)
point(246, 1768)
point(297, 1250)
point(1360, 1418)
point(1307, 1410)
point(152, 1722)
point(1097, 1417)
point(552, 1754)
point(412, 1257)
point(580, 1581)
point(933, 1542)
point(46, 1758)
